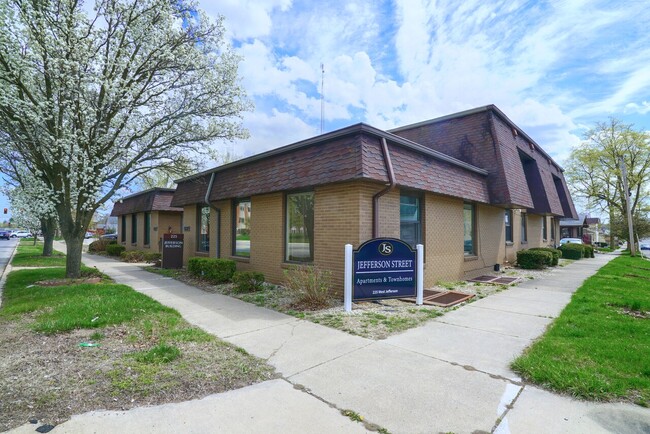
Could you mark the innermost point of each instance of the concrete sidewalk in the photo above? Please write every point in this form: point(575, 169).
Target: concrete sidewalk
point(449, 375)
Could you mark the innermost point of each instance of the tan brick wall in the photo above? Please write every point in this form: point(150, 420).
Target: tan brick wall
point(189, 236)
point(490, 241)
point(267, 236)
point(389, 214)
point(443, 239)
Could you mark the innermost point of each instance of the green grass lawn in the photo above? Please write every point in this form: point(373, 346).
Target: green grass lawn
point(599, 347)
point(30, 255)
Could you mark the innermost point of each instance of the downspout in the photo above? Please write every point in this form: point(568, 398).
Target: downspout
point(218, 211)
point(391, 185)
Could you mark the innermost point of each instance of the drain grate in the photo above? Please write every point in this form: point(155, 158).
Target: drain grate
point(449, 298)
point(484, 279)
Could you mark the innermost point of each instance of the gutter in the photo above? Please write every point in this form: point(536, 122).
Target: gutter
point(375, 199)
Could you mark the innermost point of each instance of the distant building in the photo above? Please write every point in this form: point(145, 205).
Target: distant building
point(143, 217)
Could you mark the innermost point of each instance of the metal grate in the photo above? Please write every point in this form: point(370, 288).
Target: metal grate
point(450, 298)
point(483, 279)
point(505, 280)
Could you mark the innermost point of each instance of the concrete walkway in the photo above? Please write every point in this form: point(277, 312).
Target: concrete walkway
point(449, 375)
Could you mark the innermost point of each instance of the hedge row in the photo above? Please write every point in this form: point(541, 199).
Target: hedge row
point(115, 249)
point(534, 259)
point(557, 254)
point(140, 256)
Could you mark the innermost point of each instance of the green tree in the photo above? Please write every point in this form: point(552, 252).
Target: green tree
point(593, 170)
point(91, 99)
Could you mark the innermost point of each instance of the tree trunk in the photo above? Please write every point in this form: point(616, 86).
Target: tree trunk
point(48, 227)
point(73, 231)
point(73, 258)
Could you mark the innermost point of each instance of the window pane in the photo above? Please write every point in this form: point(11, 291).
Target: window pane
point(242, 245)
point(203, 223)
point(410, 220)
point(300, 227)
point(524, 229)
point(544, 230)
point(123, 234)
point(468, 220)
point(134, 228)
point(508, 219)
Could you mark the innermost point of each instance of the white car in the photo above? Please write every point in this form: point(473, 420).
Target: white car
point(570, 241)
point(21, 234)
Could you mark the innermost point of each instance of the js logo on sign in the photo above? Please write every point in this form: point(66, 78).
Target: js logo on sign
point(385, 248)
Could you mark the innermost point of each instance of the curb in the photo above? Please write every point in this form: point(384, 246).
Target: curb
point(6, 271)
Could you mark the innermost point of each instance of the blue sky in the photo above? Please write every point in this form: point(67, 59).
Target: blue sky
point(554, 68)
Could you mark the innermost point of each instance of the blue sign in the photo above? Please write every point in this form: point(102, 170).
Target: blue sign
point(384, 268)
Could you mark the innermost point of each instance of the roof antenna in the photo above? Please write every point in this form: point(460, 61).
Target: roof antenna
point(322, 97)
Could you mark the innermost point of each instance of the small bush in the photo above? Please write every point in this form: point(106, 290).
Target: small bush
point(589, 250)
point(150, 257)
point(115, 249)
point(557, 254)
point(212, 269)
point(100, 245)
point(308, 285)
point(534, 259)
point(248, 281)
point(572, 251)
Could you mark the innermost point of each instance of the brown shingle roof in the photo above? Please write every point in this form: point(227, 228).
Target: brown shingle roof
point(155, 199)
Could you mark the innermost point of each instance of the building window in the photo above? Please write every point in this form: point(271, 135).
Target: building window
point(147, 228)
point(553, 228)
point(410, 219)
point(123, 234)
point(508, 220)
point(242, 225)
point(134, 228)
point(524, 228)
point(300, 227)
point(544, 228)
point(203, 232)
point(469, 222)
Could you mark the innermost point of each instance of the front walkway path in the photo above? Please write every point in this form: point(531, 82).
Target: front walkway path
point(449, 375)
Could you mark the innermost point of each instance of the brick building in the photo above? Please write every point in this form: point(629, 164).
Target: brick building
point(143, 217)
point(471, 187)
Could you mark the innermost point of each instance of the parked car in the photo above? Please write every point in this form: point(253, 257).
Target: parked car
point(644, 246)
point(601, 244)
point(89, 235)
point(5, 234)
point(109, 237)
point(570, 241)
point(21, 234)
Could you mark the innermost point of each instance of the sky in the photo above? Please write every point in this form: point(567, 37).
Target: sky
point(554, 68)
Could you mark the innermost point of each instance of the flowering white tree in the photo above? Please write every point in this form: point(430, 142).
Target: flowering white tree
point(91, 101)
point(29, 212)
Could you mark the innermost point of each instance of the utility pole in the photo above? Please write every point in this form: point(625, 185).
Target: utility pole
point(626, 194)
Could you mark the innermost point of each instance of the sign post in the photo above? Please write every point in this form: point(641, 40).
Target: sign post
point(172, 251)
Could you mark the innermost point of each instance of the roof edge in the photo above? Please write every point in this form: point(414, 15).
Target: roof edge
point(150, 190)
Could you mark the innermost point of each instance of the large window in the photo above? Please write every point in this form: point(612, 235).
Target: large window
point(410, 219)
point(147, 228)
point(134, 228)
point(203, 228)
point(242, 224)
point(300, 227)
point(508, 222)
point(123, 234)
point(469, 217)
point(544, 228)
point(524, 228)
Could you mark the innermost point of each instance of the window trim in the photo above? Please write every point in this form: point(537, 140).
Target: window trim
point(553, 228)
point(123, 234)
point(472, 207)
point(544, 228)
point(235, 206)
point(524, 228)
point(199, 218)
point(286, 227)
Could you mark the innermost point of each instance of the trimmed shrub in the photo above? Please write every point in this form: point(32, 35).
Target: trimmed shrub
point(572, 251)
point(140, 256)
point(534, 259)
point(557, 254)
point(248, 281)
point(309, 286)
point(589, 250)
point(100, 245)
point(115, 249)
point(212, 269)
